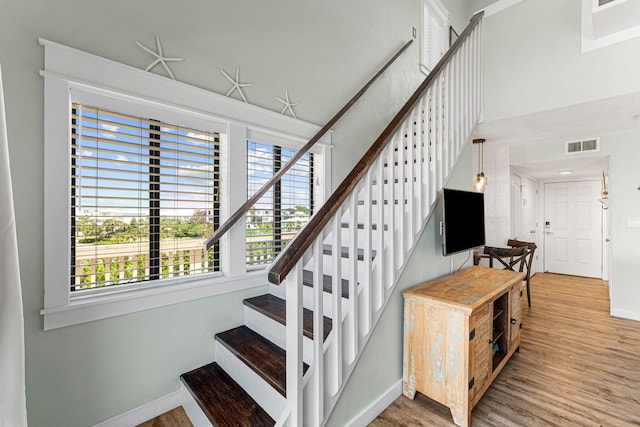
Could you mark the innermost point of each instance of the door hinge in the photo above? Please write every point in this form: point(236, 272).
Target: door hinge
point(473, 379)
point(472, 334)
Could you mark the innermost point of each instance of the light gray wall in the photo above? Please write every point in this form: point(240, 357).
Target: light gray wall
point(322, 52)
point(623, 149)
point(533, 61)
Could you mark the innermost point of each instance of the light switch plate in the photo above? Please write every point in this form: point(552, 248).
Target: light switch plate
point(633, 222)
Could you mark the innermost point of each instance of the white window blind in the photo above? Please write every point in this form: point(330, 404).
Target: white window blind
point(434, 35)
point(276, 218)
point(144, 196)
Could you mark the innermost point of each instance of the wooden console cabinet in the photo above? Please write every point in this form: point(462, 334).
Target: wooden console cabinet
point(459, 332)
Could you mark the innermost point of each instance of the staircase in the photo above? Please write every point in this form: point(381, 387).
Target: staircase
point(338, 273)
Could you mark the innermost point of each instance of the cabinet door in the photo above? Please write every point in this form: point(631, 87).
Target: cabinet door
point(515, 311)
point(479, 349)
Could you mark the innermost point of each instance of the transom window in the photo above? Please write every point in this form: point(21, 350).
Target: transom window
point(143, 199)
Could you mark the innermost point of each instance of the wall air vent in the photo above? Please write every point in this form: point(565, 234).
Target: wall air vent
point(582, 146)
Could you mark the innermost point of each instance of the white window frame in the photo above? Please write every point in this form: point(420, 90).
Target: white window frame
point(442, 14)
point(608, 24)
point(71, 75)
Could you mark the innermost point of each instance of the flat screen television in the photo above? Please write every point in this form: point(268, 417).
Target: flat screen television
point(463, 221)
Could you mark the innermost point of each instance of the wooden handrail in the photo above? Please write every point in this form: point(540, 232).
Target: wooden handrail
point(301, 242)
point(254, 199)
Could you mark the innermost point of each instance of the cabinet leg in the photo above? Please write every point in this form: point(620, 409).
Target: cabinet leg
point(461, 418)
point(408, 390)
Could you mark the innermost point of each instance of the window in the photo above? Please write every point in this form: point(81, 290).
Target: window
point(434, 34)
point(143, 199)
point(278, 216)
point(138, 171)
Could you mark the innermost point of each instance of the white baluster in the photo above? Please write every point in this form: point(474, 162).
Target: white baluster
point(336, 302)
point(367, 292)
point(401, 140)
point(380, 231)
point(293, 286)
point(318, 333)
point(392, 213)
point(351, 329)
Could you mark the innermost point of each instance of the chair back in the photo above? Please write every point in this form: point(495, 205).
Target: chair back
point(510, 258)
point(531, 248)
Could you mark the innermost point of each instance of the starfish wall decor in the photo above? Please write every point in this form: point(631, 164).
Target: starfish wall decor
point(236, 84)
point(160, 58)
point(288, 105)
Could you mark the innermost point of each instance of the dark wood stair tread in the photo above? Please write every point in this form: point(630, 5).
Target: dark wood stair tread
point(327, 283)
point(344, 252)
point(276, 309)
point(223, 400)
point(264, 357)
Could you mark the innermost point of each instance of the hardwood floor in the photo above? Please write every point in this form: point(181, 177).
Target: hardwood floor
point(577, 366)
point(175, 418)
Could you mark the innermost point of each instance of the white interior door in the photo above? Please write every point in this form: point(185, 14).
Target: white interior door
point(573, 228)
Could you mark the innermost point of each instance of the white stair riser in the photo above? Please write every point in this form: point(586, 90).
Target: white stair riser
point(307, 299)
point(265, 395)
point(193, 410)
point(275, 332)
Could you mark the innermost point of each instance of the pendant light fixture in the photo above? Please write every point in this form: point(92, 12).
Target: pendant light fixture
point(481, 181)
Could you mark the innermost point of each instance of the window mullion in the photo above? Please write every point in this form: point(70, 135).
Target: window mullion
point(277, 201)
point(154, 203)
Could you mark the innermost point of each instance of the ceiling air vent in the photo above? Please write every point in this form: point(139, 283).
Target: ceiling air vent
point(582, 146)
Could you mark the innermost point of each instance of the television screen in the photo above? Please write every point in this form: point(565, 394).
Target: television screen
point(463, 221)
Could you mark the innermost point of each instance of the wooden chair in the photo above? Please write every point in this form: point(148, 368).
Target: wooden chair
point(510, 258)
point(531, 248)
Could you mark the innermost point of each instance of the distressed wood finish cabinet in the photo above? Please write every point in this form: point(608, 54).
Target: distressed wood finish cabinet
point(459, 332)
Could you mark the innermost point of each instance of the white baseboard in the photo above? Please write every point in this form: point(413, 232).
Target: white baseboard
point(625, 314)
point(376, 407)
point(147, 411)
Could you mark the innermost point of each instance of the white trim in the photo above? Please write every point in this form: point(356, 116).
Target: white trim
point(590, 12)
point(498, 6)
point(625, 314)
point(147, 411)
point(106, 306)
point(72, 74)
point(376, 407)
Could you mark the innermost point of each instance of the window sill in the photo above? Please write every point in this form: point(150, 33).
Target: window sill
point(85, 310)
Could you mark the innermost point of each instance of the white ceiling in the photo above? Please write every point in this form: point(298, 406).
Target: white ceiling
point(581, 121)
